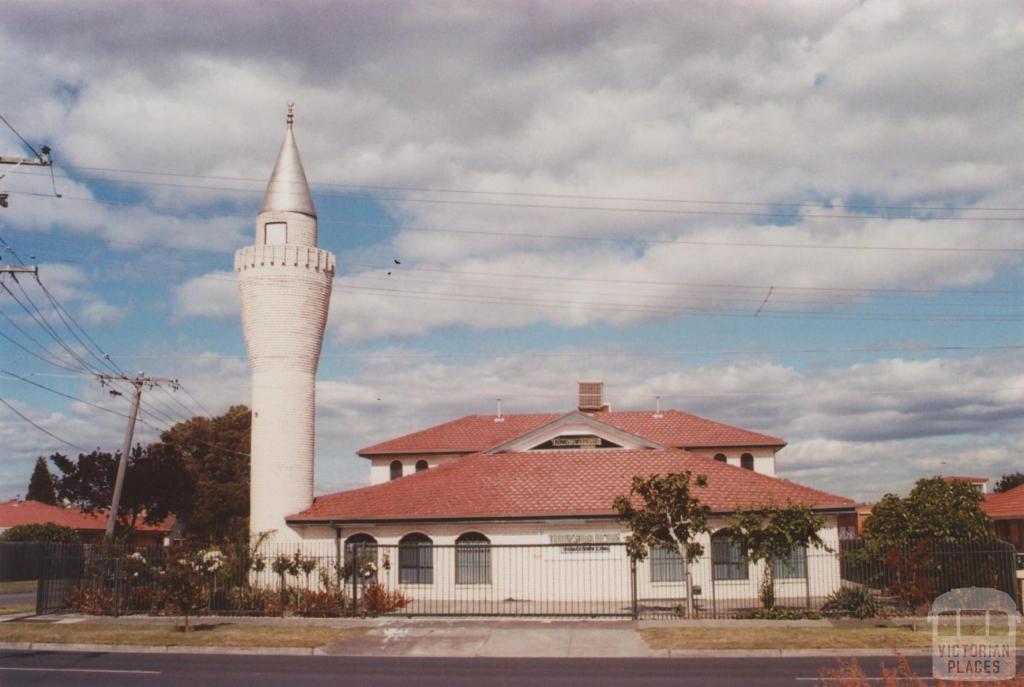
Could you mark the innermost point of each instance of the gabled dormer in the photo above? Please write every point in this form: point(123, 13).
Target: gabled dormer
point(576, 431)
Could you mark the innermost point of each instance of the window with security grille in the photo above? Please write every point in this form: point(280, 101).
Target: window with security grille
point(416, 559)
point(361, 557)
point(728, 561)
point(666, 565)
point(792, 567)
point(472, 559)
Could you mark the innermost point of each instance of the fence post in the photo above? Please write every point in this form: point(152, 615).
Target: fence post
point(632, 588)
point(355, 578)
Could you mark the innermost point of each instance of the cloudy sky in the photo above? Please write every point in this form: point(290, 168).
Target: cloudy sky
point(800, 218)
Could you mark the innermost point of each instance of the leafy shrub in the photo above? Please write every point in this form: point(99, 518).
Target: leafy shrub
point(377, 600)
point(329, 604)
point(49, 532)
point(779, 613)
point(851, 602)
point(91, 601)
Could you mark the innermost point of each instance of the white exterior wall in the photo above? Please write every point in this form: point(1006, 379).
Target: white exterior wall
point(764, 457)
point(380, 466)
point(285, 292)
point(552, 575)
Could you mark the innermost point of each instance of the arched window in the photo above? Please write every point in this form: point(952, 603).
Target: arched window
point(472, 559)
point(666, 565)
point(728, 561)
point(720, 457)
point(361, 557)
point(396, 469)
point(421, 465)
point(415, 559)
point(747, 461)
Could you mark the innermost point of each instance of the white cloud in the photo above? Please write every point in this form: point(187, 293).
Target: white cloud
point(214, 294)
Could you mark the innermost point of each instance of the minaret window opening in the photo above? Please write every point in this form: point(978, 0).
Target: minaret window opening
point(747, 461)
point(421, 465)
point(277, 233)
point(396, 469)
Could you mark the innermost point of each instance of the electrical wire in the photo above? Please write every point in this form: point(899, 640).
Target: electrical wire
point(526, 194)
point(42, 429)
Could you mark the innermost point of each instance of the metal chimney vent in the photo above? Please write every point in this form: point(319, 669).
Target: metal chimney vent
point(592, 396)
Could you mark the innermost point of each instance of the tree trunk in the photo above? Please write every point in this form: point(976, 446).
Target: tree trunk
point(768, 586)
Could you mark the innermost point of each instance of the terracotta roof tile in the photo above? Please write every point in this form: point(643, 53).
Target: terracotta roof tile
point(480, 432)
point(550, 484)
point(16, 512)
point(1007, 505)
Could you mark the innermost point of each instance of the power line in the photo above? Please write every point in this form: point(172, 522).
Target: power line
point(617, 239)
point(674, 352)
point(533, 194)
point(42, 429)
point(61, 393)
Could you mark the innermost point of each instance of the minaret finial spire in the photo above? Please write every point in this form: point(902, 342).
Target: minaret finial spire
point(291, 114)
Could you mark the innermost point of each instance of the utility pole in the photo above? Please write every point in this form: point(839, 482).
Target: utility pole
point(137, 382)
point(42, 159)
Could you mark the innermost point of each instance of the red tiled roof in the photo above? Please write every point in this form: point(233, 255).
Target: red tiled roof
point(1007, 505)
point(480, 432)
point(16, 512)
point(550, 484)
point(965, 478)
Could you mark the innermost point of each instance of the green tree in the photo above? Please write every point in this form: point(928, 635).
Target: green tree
point(664, 512)
point(934, 510)
point(153, 488)
point(40, 485)
point(771, 534)
point(49, 532)
point(1008, 482)
point(214, 455)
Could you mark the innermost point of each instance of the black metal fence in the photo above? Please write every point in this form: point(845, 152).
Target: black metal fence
point(20, 561)
point(480, 579)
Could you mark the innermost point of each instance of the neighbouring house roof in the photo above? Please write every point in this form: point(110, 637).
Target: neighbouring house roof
point(481, 432)
point(1009, 505)
point(15, 512)
point(551, 484)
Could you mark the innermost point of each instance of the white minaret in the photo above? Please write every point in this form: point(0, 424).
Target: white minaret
point(285, 284)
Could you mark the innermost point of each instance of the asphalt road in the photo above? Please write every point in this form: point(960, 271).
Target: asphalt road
point(62, 669)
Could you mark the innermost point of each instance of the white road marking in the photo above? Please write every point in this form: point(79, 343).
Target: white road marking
point(869, 679)
point(83, 670)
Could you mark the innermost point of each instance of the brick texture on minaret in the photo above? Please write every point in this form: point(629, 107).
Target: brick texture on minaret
point(285, 285)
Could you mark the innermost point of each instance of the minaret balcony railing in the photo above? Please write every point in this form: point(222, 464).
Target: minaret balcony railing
point(309, 257)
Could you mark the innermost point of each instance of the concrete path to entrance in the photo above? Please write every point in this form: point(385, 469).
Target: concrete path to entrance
point(507, 639)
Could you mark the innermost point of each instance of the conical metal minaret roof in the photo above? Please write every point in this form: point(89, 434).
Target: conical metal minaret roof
point(288, 190)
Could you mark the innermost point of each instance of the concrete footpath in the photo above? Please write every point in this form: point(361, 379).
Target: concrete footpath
point(469, 638)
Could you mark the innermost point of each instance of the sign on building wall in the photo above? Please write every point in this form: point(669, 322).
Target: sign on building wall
point(583, 546)
point(575, 441)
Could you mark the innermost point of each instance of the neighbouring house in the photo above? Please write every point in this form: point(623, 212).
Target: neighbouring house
point(980, 484)
point(91, 527)
point(453, 510)
point(851, 525)
point(1007, 509)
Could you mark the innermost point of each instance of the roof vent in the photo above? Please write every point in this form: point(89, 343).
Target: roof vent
point(592, 397)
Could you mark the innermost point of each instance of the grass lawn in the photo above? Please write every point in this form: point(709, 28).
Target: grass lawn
point(205, 634)
point(25, 587)
point(787, 637)
point(8, 609)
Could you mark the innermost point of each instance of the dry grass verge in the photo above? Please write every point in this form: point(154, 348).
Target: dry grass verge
point(24, 587)
point(205, 634)
point(787, 637)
